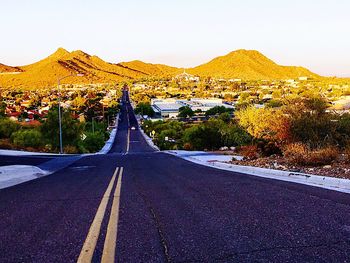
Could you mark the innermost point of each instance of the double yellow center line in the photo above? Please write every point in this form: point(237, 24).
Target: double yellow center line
point(128, 135)
point(108, 254)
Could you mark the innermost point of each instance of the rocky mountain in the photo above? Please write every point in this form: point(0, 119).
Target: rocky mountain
point(8, 69)
point(243, 64)
point(248, 65)
point(157, 70)
point(45, 73)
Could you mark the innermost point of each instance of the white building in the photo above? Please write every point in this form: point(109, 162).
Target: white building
point(166, 108)
point(169, 108)
point(303, 78)
point(186, 77)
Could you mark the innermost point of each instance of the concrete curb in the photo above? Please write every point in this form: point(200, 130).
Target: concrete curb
point(148, 140)
point(331, 183)
point(146, 137)
point(108, 145)
point(26, 153)
point(16, 174)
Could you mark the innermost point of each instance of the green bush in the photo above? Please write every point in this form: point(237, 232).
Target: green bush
point(27, 138)
point(234, 135)
point(314, 130)
point(208, 135)
point(300, 154)
point(93, 142)
point(7, 127)
point(343, 131)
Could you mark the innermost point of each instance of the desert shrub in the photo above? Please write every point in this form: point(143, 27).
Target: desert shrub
point(269, 148)
point(295, 153)
point(27, 138)
point(314, 130)
point(300, 154)
point(249, 152)
point(343, 131)
point(6, 144)
point(70, 149)
point(188, 146)
point(323, 156)
point(347, 153)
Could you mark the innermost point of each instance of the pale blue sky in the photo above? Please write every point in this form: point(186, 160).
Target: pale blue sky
point(310, 33)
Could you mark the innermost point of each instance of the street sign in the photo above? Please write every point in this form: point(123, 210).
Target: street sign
point(83, 137)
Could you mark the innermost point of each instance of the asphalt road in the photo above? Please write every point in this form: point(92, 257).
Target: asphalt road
point(23, 160)
point(137, 205)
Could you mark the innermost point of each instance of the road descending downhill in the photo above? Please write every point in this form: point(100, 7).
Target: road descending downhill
point(135, 204)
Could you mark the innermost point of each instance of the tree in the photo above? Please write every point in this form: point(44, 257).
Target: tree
point(217, 110)
point(205, 136)
point(185, 112)
point(113, 108)
point(144, 108)
point(311, 124)
point(266, 123)
point(225, 117)
point(71, 129)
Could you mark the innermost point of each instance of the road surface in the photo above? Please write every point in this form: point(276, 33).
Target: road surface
point(138, 205)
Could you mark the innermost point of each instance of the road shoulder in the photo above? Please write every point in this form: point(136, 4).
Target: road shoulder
point(220, 162)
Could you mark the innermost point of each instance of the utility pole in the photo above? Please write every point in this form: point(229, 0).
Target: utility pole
point(59, 106)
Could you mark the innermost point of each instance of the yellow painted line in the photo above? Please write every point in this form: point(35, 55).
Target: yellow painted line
point(90, 242)
point(108, 254)
point(128, 142)
point(127, 117)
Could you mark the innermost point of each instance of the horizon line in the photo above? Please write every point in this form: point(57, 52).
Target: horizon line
point(328, 75)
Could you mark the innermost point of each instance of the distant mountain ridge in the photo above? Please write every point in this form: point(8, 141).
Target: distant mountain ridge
point(244, 64)
point(157, 70)
point(45, 72)
point(248, 65)
point(7, 69)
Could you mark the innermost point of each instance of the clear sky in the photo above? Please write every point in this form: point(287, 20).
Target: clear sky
point(310, 33)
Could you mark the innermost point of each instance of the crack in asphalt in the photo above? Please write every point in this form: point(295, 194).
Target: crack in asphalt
point(236, 254)
point(161, 235)
point(156, 220)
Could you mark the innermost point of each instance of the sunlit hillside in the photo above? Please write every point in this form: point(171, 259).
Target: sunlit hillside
point(248, 65)
point(157, 70)
point(242, 64)
point(45, 73)
point(7, 69)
